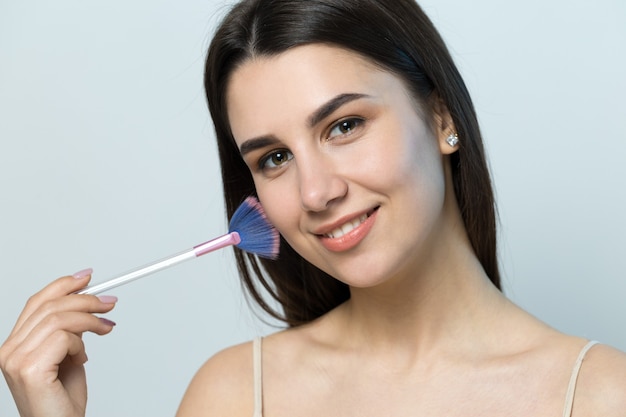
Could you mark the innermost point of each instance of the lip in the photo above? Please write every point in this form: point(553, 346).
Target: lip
point(350, 239)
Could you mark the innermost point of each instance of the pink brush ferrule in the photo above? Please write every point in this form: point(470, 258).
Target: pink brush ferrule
point(230, 239)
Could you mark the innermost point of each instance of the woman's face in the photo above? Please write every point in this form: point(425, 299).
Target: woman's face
point(343, 163)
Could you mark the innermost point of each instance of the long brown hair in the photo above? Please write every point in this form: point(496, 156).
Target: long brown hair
point(398, 36)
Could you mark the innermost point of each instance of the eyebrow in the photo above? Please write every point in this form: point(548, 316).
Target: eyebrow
point(257, 143)
point(317, 116)
point(331, 105)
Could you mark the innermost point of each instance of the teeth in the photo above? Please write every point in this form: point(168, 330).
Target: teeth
point(346, 228)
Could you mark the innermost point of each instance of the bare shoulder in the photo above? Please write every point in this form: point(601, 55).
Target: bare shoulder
point(601, 388)
point(223, 386)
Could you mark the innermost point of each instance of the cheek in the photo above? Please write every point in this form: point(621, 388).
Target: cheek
point(401, 159)
point(279, 204)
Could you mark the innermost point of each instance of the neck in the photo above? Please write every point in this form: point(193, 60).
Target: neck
point(445, 298)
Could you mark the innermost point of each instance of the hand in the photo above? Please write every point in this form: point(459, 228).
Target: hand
point(43, 357)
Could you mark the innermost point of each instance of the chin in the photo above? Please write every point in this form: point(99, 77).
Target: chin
point(360, 273)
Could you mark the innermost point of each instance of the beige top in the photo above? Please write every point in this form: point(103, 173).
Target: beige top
point(258, 379)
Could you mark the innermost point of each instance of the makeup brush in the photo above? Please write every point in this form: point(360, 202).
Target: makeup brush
point(248, 229)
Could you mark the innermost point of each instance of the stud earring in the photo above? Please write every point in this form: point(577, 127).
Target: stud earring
point(453, 139)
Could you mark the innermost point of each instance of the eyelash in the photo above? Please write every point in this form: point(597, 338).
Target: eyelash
point(268, 158)
point(351, 123)
point(355, 123)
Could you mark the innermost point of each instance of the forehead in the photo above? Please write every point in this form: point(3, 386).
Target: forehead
point(293, 83)
point(317, 61)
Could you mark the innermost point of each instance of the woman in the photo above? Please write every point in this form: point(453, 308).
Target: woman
point(350, 122)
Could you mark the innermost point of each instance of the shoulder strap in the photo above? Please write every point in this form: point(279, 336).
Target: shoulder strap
point(571, 389)
point(258, 377)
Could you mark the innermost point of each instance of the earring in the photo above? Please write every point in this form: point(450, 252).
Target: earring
point(453, 139)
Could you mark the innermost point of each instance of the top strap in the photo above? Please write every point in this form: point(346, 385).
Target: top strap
point(571, 389)
point(258, 377)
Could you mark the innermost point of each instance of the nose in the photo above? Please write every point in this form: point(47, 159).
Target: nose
point(320, 183)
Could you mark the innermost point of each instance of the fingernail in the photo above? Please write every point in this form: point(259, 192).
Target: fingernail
point(107, 321)
point(83, 273)
point(108, 299)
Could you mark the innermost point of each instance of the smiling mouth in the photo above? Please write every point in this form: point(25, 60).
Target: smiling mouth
point(347, 227)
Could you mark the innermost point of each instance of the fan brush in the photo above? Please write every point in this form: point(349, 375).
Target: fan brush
point(249, 230)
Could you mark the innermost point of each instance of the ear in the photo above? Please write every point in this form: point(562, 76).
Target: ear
point(444, 128)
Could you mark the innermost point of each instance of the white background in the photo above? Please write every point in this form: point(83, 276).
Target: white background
point(107, 160)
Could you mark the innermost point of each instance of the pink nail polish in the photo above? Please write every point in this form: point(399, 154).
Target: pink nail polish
point(107, 321)
point(108, 299)
point(83, 273)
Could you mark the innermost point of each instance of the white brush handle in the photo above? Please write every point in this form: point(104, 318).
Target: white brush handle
point(199, 250)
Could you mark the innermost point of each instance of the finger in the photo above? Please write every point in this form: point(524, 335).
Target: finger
point(20, 358)
point(57, 288)
point(41, 365)
point(76, 350)
point(48, 380)
point(49, 311)
point(72, 313)
point(65, 321)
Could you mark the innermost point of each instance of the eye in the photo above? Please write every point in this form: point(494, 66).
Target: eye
point(345, 127)
point(275, 159)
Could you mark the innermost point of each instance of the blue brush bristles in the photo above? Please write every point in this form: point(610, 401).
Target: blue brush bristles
point(257, 235)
